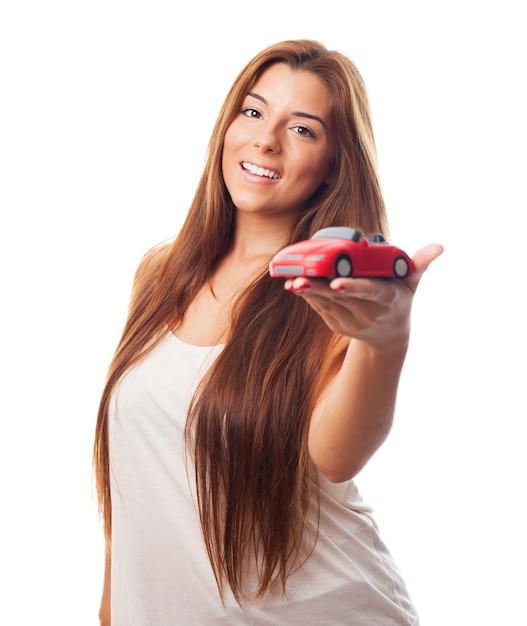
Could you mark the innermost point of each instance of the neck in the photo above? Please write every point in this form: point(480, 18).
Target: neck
point(257, 237)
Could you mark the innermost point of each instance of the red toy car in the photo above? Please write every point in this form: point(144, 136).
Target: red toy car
point(341, 251)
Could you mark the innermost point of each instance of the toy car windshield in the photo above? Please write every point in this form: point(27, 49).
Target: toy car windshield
point(339, 232)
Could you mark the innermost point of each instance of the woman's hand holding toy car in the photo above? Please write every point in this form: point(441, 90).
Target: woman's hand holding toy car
point(374, 311)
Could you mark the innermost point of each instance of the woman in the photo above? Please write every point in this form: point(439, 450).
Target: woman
point(236, 412)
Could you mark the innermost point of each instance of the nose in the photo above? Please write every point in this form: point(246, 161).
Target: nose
point(267, 139)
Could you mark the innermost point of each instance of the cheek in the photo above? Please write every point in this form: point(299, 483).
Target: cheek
point(235, 136)
point(316, 171)
point(232, 144)
point(227, 151)
point(227, 143)
point(325, 167)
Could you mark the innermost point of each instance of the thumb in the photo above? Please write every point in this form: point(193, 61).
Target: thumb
point(422, 260)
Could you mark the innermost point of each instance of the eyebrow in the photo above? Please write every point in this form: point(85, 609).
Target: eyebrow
point(308, 116)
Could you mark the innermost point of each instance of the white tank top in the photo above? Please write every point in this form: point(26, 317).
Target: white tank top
point(161, 575)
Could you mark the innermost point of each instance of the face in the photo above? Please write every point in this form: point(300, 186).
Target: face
point(279, 149)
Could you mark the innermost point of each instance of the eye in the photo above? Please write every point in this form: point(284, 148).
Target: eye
point(250, 112)
point(303, 131)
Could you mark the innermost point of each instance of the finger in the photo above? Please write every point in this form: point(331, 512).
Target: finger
point(347, 291)
point(297, 284)
point(376, 290)
point(422, 260)
point(424, 257)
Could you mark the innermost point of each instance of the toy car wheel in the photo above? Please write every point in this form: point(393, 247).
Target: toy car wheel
point(343, 266)
point(401, 267)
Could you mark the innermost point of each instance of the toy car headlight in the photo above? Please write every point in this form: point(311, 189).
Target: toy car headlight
point(316, 257)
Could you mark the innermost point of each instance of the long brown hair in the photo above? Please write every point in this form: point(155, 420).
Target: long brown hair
point(248, 422)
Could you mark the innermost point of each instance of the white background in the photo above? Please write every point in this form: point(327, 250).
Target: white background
point(105, 113)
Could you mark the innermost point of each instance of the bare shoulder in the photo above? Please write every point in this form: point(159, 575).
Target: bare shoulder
point(149, 268)
point(153, 259)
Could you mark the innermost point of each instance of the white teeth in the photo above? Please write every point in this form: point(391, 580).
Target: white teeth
point(259, 171)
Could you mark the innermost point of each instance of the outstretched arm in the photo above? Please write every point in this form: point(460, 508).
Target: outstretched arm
point(355, 414)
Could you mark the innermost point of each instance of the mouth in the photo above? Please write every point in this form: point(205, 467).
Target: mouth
point(260, 171)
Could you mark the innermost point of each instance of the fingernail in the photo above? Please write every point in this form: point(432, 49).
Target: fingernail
point(290, 286)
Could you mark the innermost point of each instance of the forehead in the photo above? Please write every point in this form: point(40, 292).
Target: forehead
point(299, 90)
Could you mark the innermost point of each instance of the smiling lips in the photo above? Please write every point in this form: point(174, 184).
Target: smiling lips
point(260, 171)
